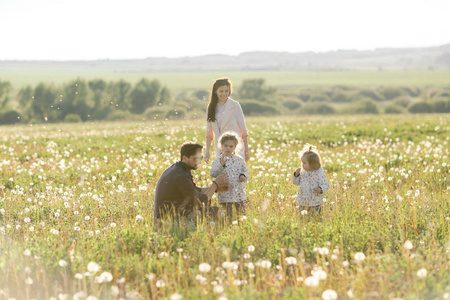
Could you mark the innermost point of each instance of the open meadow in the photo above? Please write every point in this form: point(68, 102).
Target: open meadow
point(76, 207)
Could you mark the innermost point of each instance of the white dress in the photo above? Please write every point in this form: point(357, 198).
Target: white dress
point(229, 117)
point(307, 181)
point(234, 167)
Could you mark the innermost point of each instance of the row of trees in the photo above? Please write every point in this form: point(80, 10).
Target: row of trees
point(87, 100)
point(82, 100)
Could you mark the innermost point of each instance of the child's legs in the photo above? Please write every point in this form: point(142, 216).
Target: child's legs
point(228, 207)
point(240, 208)
point(312, 209)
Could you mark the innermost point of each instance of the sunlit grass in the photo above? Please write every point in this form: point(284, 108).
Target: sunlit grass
point(76, 206)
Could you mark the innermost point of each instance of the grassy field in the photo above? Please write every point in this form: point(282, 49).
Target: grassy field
point(76, 207)
point(204, 80)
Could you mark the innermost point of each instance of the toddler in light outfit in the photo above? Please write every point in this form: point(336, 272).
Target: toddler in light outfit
point(236, 171)
point(311, 180)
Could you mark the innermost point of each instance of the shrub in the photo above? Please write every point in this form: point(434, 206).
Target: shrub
point(433, 92)
point(366, 93)
point(252, 107)
point(292, 104)
point(256, 89)
point(321, 109)
point(329, 93)
point(118, 115)
point(412, 92)
point(175, 113)
point(403, 101)
point(420, 108)
point(325, 109)
point(73, 118)
point(365, 107)
point(341, 98)
point(442, 95)
point(304, 96)
point(344, 87)
point(9, 117)
point(390, 93)
point(320, 98)
point(393, 109)
point(201, 95)
point(155, 112)
point(441, 106)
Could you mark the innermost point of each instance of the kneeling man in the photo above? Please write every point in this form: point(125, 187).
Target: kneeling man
point(176, 193)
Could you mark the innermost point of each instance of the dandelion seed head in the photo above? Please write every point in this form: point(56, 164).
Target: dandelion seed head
point(266, 264)
point(311, 281)
point(359, 256)
point(160, 283)
point(204, 267)
point(176, 296)
point(408, 245)
point(163, 254)
point(93, 267)
point(218, 289)
point(291, 260)
point(329, 295)
point(319, 274)
point(422, 273)
point(62, 263)
point(106, 277)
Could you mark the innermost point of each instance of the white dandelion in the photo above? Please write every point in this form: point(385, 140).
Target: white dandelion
point(422, 273)
point(204, 267)
point(329, 295)
point(359, 256)
point(93, 267)
point(408, 245)
point(311, 281)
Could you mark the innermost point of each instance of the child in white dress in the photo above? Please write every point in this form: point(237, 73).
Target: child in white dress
point(236, 171)
point(311, 180)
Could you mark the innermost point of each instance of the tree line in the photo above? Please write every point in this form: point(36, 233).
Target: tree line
point(82, 100)
point(79, 100)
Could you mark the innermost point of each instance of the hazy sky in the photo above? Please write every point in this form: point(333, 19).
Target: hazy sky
point(109, 29)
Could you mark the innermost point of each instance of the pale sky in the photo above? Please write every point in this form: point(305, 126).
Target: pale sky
point(128, 29)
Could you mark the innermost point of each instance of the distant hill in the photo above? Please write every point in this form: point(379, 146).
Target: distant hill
point(379, 59)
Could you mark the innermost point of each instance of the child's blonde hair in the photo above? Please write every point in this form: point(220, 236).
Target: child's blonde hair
point(312, 156)
point(229, 136)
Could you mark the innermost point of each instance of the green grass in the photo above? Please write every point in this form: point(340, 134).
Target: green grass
point(20, 77)
point(84, 187)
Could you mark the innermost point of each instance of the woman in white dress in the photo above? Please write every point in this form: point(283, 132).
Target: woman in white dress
point(224, 114)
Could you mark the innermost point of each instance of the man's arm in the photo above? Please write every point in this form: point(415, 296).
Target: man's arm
point(220, 183)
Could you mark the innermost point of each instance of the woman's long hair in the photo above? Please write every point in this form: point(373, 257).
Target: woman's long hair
point(211, 117)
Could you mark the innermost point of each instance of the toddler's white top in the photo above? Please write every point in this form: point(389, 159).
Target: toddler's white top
point(307, 181)
point(234, 167)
